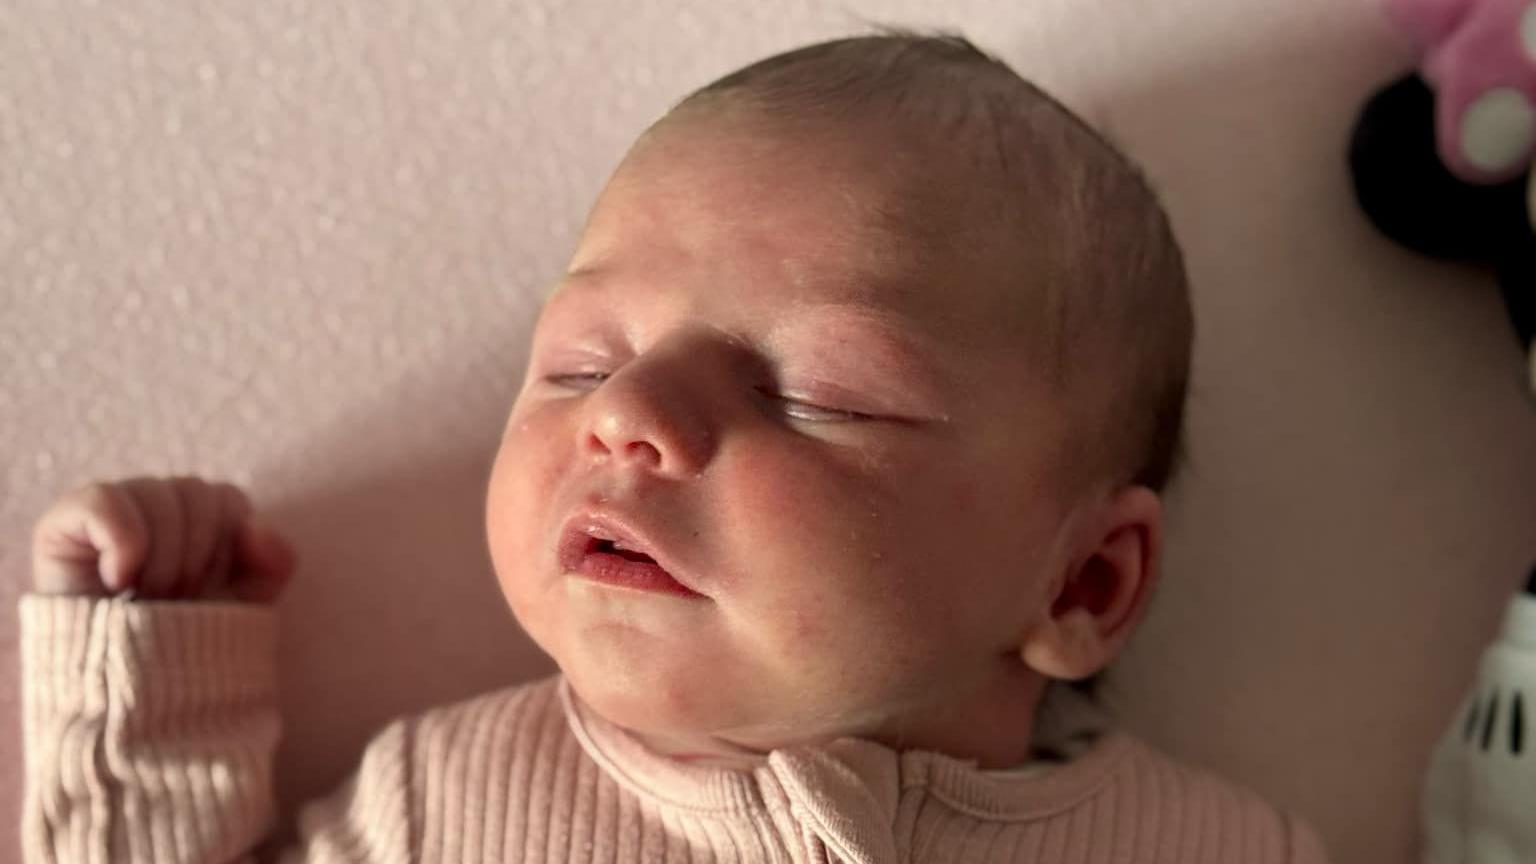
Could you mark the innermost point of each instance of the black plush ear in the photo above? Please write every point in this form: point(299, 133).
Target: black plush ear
point(1517, 279)
point(1411, 196)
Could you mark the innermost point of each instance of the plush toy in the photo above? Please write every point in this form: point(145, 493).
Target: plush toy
point(1480, 55)
point(1442, 157)
point(1479, 804)
point(1442, 164)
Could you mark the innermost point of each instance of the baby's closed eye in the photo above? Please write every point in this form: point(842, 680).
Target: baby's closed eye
point(798, 409)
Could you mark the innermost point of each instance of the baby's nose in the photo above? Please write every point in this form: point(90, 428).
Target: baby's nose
point(652, 413)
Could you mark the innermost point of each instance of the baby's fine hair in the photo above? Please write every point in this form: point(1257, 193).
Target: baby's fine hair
point(1110, 299)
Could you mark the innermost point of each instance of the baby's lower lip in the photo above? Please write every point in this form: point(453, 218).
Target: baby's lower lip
point(614, 569)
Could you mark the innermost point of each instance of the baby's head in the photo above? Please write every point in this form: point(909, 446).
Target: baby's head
point(882, 353)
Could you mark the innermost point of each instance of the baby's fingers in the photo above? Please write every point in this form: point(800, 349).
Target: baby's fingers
point(92, 542)
point(201, 506)
point(234, 507)
point(162, 509)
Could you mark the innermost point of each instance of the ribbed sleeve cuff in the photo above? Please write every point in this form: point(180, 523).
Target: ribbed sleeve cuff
point(149, 727)
point(161, 659)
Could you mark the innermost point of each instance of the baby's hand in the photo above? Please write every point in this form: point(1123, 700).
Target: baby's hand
point(159, 538)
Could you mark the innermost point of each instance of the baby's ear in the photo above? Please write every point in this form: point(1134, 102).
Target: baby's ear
point(1100, 595)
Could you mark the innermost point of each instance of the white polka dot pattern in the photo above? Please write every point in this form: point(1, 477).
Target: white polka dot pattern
point(1498, 129)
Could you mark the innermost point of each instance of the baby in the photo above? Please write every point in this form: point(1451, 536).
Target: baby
point(842, 441)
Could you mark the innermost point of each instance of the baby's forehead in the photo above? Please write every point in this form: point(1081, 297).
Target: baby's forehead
point(824, 197)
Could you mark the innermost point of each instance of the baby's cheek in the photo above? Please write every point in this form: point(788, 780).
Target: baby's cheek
point(537, 450)
point(823, 546)
point(823, 510)
point(805, 628)
point(802, 628)
point(851, 650)
point(521, 500)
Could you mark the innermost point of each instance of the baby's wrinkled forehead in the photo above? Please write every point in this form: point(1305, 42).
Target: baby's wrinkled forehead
point(858, 187)
point(805, 218)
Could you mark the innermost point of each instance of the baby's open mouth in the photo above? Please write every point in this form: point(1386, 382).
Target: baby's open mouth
point(604, 549)
point(613, 547)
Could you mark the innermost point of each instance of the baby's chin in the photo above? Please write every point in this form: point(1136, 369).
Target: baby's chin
point(698, 718)
point(656, 707)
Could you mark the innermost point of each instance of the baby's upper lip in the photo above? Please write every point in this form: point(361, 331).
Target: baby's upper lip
point(578, 533)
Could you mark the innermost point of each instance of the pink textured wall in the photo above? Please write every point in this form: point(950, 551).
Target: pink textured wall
point(299, 245)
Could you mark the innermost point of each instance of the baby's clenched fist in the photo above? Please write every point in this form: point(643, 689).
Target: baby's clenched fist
point(155, 538)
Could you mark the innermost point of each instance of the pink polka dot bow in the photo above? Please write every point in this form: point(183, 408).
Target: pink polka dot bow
point(1480, 58)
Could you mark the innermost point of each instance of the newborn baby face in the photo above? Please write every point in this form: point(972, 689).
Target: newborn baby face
point(790, 369)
